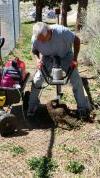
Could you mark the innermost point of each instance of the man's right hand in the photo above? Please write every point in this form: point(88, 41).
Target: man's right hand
point(39, 64)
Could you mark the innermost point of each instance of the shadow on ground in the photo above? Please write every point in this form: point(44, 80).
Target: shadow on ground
point(33, 21)
point(47, 117)
point(29, 22)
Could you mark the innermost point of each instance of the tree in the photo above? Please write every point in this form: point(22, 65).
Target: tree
point(64, 12)
point(81, 14)
point(39, 6)
point(65, 8)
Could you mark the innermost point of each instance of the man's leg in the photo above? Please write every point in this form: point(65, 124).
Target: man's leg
point(37, 84)
point(81, 99)
point(36, 87)
point(83, 103)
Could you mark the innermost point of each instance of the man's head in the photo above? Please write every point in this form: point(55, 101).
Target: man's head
point(42, 32)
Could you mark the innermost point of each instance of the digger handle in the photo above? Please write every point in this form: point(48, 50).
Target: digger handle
point(63, 81)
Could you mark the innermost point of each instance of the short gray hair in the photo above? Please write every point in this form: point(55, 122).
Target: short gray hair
point(40, 28)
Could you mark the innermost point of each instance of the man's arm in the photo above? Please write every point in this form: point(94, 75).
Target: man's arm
point(38, 58)
point(71, 39)
point(35, 52)
point(76, 47)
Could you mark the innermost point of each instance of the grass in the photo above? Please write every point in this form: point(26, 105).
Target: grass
point(94, 87)
point(69, 149)
point(16, 150)
point(23, 47)
point(43, 166)
point(66, 98)
point(75, 167)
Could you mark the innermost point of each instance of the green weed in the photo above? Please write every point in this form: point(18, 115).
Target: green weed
point(75, 167)
point(71, 149)
point(43, 166)
point(66, 98)
point(16, 150)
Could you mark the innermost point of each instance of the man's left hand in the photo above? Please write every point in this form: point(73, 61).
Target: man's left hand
point(74, 64)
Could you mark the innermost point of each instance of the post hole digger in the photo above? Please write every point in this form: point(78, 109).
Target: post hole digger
point(57, 78)
point(13, 79)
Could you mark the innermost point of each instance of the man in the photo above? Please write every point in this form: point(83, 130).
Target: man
point(56, 40)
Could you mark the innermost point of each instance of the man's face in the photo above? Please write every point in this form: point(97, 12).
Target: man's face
point(45, 38)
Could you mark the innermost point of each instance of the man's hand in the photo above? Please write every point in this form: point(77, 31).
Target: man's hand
point(74, 63)
point(39, 64)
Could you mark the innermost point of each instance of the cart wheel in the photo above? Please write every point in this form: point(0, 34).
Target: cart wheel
point(8, 124)
point(25, 100)
point(2, 112)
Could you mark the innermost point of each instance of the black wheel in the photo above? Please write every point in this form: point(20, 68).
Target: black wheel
point(8, 124)
point(25, 100)
point(2, 112)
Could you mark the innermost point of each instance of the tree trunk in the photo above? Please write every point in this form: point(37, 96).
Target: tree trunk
point(81, 14)
point(39, 6)
point(64, 12)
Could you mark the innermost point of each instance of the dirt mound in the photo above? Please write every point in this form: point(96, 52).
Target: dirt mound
point(59, 116)
point(47, 116)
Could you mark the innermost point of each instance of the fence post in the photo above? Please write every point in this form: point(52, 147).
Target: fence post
point(19, 15)
point(14, 22)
